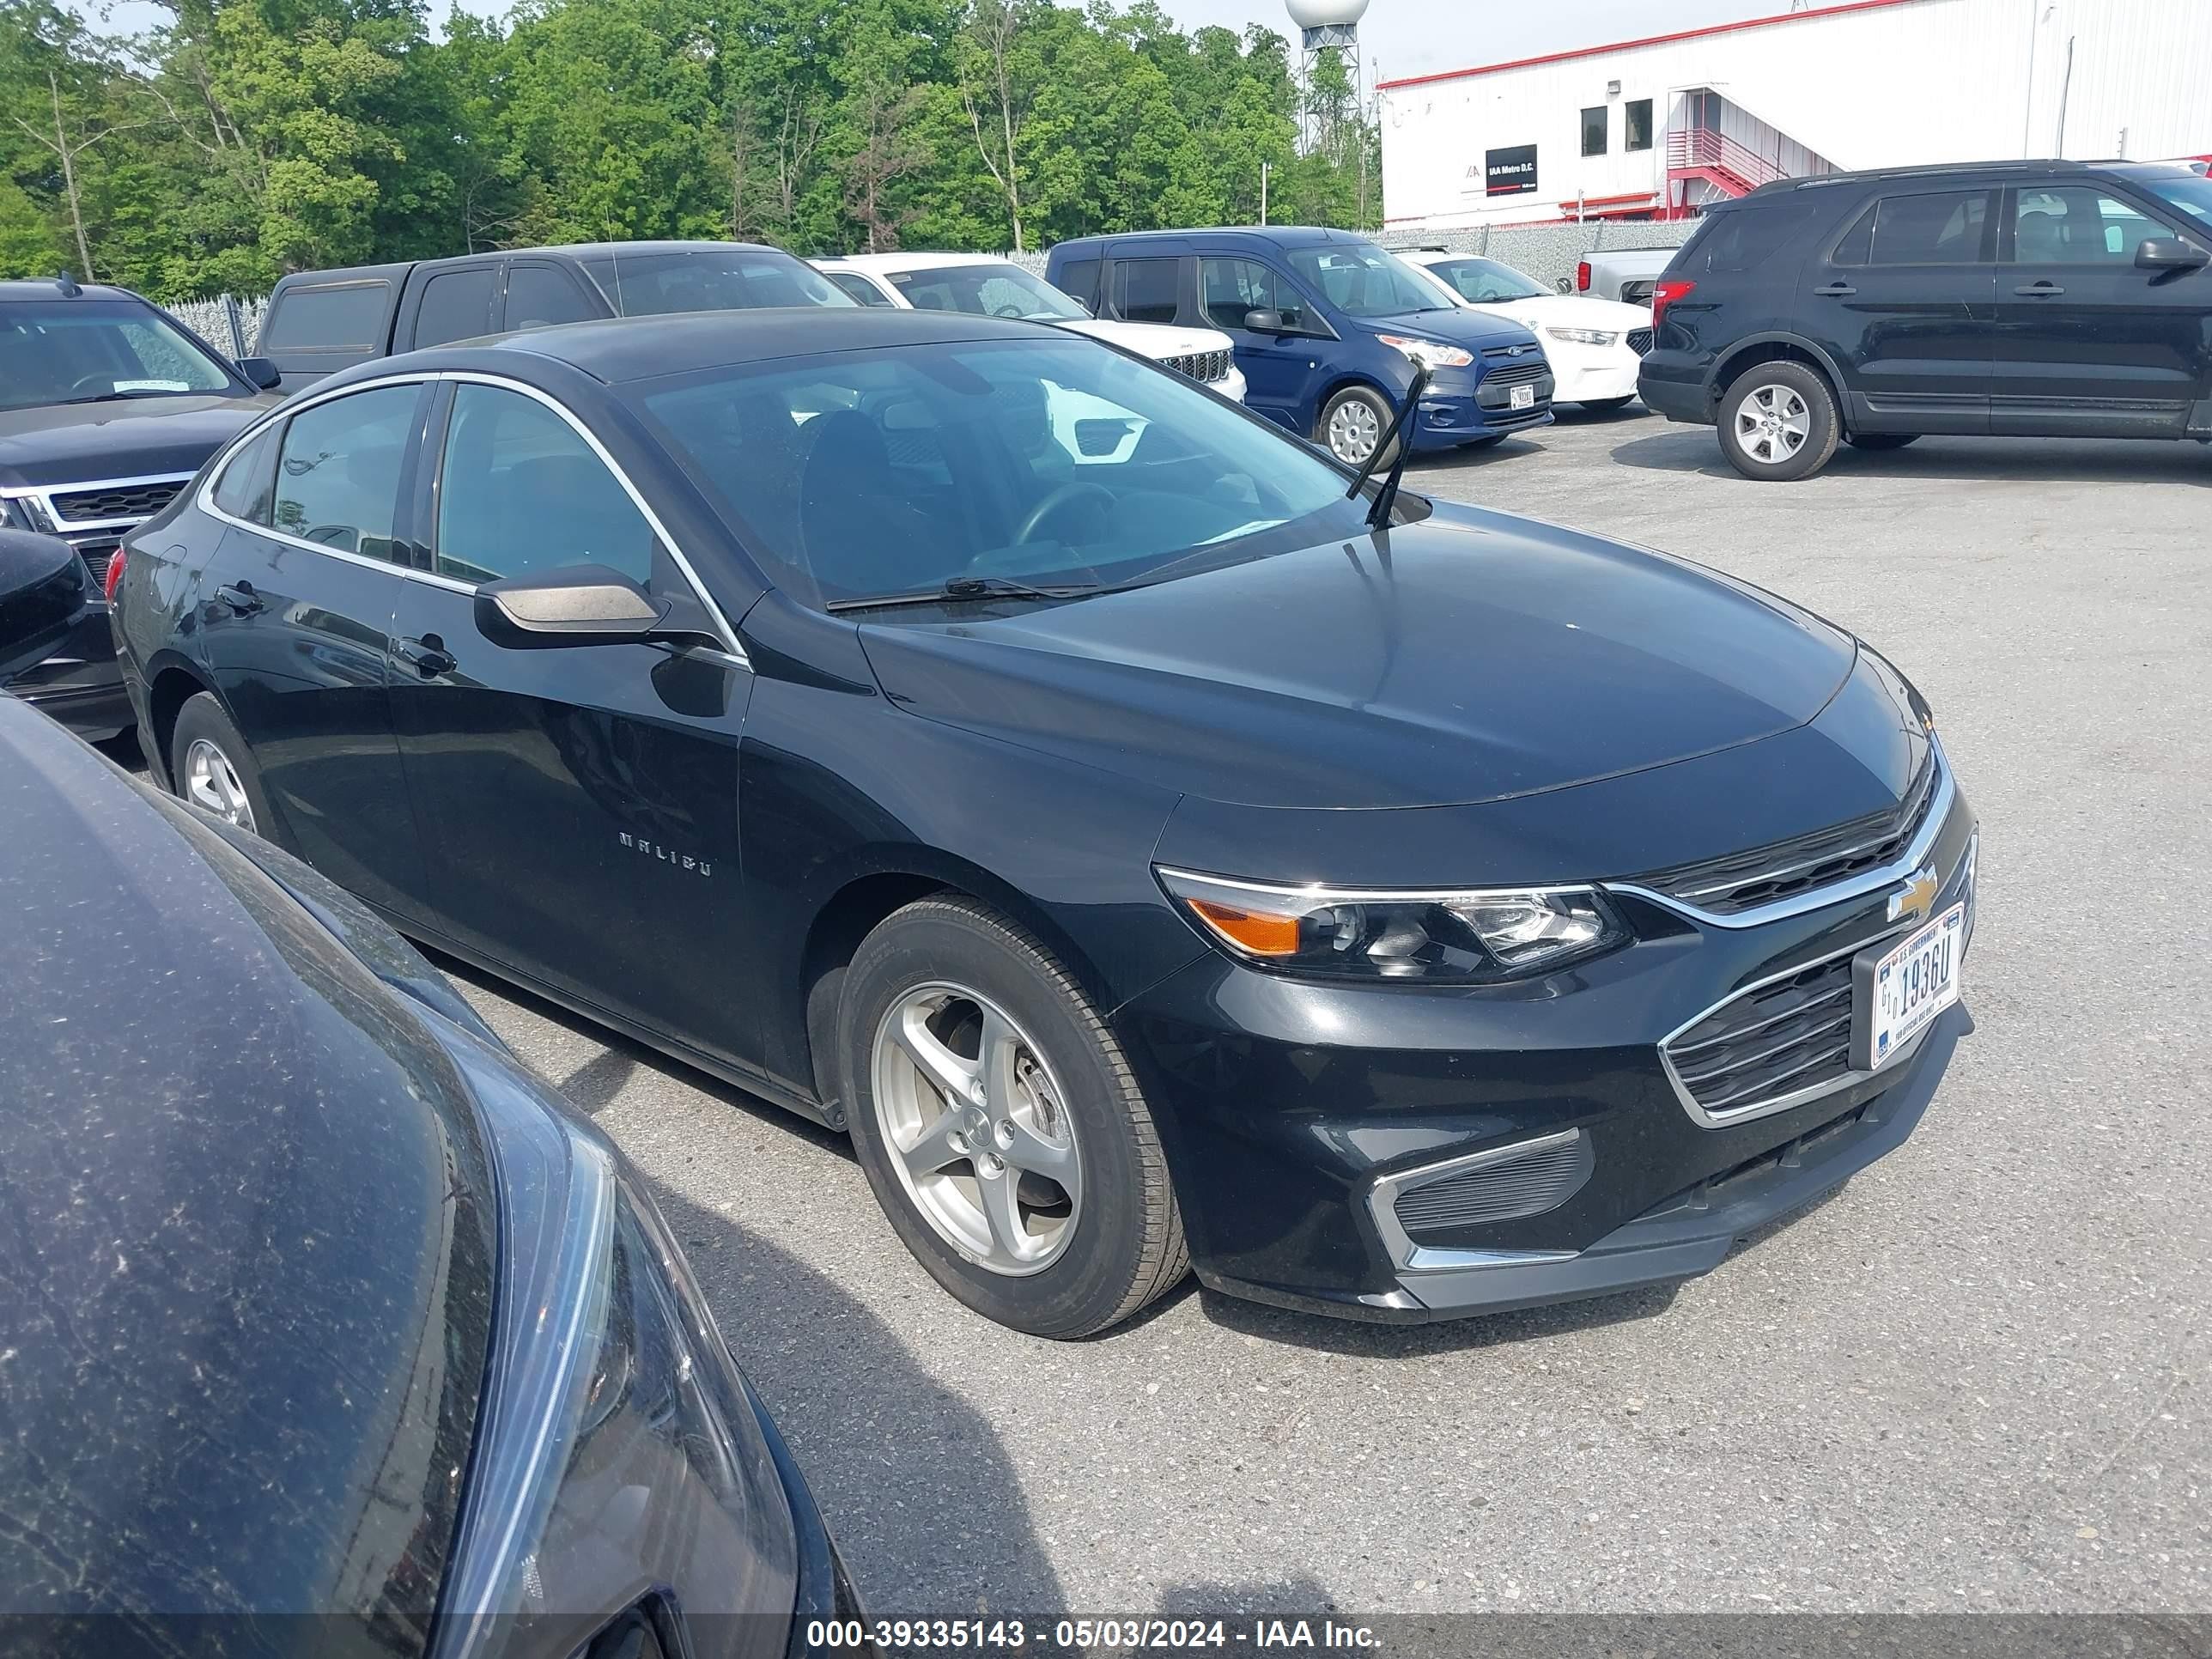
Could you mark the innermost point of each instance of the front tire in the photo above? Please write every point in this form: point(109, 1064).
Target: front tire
point(1001, 1126)
point(1353, 424)
point(214, 769)
point(1778, 422)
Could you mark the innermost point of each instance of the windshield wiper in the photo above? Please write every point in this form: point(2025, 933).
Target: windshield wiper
point(117, 398)
point(1378, 515)
point(961, 588)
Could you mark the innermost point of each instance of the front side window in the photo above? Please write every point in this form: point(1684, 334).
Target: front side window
point(2075, 225)
point(1229, 288)
point(860, 474)
point(1361, 280)
point(87, 351)
point(1145, 290)
point(1594, 123)
point(1636, 124)
point(993, 290)
point(1483, 281)
point(666, 281)
point(519, 492)
point(337, 473)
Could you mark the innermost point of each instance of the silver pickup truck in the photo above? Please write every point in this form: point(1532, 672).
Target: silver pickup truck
point(1624, 274)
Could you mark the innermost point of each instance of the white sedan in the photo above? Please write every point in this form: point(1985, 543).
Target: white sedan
point(1594, 345)
point(987, 286)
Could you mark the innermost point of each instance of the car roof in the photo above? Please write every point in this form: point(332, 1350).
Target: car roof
point(394, 272)
point(2046, 168)
point(47, 287)
point(1228, 235)
point(889, 262)
point(621, 348)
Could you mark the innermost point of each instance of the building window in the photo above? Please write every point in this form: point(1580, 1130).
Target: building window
point(1594, 131)
point(1636, 125)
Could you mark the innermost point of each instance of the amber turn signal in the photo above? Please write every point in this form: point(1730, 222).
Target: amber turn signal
point(1249, 930)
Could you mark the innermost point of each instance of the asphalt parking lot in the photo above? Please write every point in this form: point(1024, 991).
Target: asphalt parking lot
point(1973, 1379)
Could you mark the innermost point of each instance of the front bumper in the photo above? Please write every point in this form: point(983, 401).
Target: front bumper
point(1592, 373)
point(1450, 416)
point(81, 683)
point(1301, 1115)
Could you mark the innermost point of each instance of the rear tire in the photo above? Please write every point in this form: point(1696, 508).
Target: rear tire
point(1353, 424)
point(1778, 421)
point(1876, 441)
point(211, 766)
point(1001, 1126)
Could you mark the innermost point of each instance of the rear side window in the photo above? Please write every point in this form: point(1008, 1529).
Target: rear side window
point(456, 306)
point(1942, 228)
point(1080, 277)
point(1743, 239)
point(247, 484)
point(344, 316)
point(540, 296)
point(337, 477)
point(1145, 290)
point(863, 291)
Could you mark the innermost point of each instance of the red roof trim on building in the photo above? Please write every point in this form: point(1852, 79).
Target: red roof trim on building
point(1648, 40)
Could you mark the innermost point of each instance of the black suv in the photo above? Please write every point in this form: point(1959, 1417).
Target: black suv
point(108, 405)
point(2026, 299)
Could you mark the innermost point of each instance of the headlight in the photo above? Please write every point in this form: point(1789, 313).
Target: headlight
point(1432, 353)
point(1445, 936)
point(1597, 337)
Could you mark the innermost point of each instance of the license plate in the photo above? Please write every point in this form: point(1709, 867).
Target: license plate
point(1524, 397)
point(1901, 991)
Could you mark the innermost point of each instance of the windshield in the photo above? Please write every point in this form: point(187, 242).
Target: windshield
point(1361, 279)
point(1482, 282)
point(665, 280)
point(1051, 462)
point(993, 290)
point(2191, 192)
point(65, 352)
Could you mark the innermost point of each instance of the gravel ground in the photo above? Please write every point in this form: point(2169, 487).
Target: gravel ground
point(1973, 1379)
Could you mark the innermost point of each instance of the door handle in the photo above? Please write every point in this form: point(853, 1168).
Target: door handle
point(240, 597)
point(1836, 291)
point(2041, 290)
point(427, 656)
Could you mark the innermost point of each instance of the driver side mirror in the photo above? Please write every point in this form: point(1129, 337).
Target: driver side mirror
point(259, 372)
point(44, 589)
point(576, 604)
point(1261, 319)
point(2170, 253)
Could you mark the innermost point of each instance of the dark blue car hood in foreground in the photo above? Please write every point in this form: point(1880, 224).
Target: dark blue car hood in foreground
point(246, 1233)
point(1472, 657)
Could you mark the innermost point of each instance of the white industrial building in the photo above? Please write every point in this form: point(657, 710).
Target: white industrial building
point(1656, 127)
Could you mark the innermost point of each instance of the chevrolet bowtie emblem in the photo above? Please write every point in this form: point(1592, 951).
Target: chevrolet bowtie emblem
point(1916, 897)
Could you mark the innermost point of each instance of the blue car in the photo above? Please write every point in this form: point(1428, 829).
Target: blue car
point(1329, 329)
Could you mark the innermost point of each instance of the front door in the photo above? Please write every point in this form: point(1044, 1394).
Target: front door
point(1280, 369)
point(2086, 342)
point(295, 629)
point(1904, 302)
point(579, 803)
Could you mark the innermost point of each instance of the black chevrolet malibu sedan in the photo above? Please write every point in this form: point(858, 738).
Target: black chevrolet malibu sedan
point(989, 745)
point(325, 1327)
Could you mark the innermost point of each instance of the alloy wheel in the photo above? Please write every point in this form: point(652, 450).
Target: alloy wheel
point(977, 1128)
point(211, 782)
point(1772, 424)
point(1353, 431)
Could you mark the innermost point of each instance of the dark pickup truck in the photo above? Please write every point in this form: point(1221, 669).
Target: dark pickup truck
point(321, 321)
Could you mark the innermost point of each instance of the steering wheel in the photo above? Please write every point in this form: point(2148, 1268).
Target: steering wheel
point(94, 383)
point(1058, 496)
point(1015, 311)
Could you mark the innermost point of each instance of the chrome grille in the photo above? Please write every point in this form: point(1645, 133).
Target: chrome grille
point(1206, 367)
point(95, 551)
point(100, 503)
point(1640, 340)
point(1783, 869)
point(1792, 1035)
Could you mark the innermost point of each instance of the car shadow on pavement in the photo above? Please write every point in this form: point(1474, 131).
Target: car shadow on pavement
point(918, 1490)
point(1971, 461)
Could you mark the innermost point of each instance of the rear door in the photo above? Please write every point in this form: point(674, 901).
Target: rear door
point(1281, 371)
point(447, 303)
point(2086, 342)
point(579, 803)
point(296, 612)
point(1904, 300)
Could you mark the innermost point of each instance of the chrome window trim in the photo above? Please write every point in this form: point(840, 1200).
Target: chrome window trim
point(1939, 814)
point(42, 495)
point(204, 499)
point(1795, 1098)
point(1409, 1257)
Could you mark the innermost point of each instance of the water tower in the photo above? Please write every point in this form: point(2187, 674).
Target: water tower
point(1327, 27)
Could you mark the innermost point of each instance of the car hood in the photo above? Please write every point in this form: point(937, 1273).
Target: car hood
point(143, 438)
point(1456, 324)
point(246, 1285)
point(1157, 341)
point(1558, 310)
point(1471, 657)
